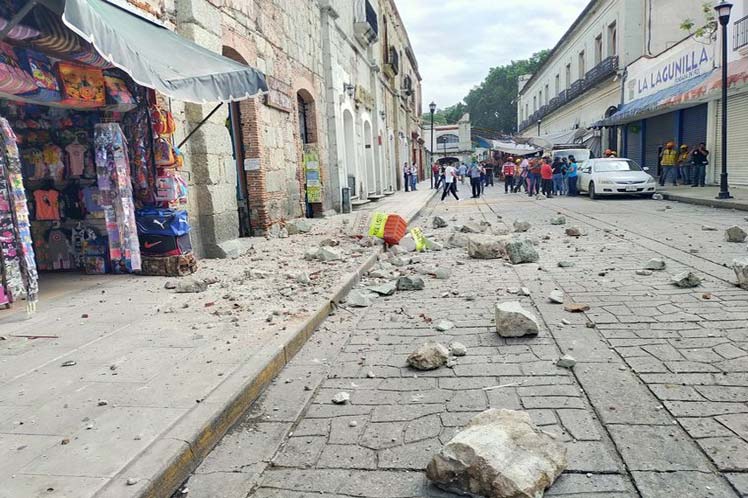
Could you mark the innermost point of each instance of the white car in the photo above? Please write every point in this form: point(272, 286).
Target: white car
point(614, 176)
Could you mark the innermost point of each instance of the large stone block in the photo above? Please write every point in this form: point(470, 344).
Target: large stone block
point(216, 199)
point(512, 320)
point(199, 12)
point(201, 36)
point(499, 454)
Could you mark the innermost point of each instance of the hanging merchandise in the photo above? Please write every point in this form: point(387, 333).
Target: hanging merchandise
point(113, 177)
point(40, 68)
point(117, 92)
point(141, 152)
point(82, 86)
point(46, 205)
point(16, 246)
point(90, 57)
point(54, 37)
point(13, 79)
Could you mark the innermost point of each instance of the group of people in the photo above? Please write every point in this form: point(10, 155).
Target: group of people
point(410, 177)
point(544, 175)
point(480, 175)
point(687, 166)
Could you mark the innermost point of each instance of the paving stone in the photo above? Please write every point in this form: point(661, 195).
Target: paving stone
point(737, 423)
point(427, 427)
point(679, 393)
point(621, 398)
point(341, 431)
point(657, 448)
point(682, 483)
point(552, 402)
point(382, 435)
point(413, 456)
point(592, 456)
point(724, 393)
point(704, 427)
point(727, 453)
point(468, 401)
point(739, 482)
point(300, 452)
point(580, 484)
point(347, 456)
point(244, 446)
point(580, 424)
point(703, 409)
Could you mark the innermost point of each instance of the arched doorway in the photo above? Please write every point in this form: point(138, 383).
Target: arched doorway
point(311, 173)
point(369, 159)
point(350, 153)
point(234, 126)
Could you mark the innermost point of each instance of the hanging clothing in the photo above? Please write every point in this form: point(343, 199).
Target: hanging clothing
point(76, 159)
point(47, 205)
point(113, 178)
point(18, 265)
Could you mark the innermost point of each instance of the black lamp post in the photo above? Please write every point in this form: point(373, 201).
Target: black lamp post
point(723, 13)
point(432, 108)
point(539, 123)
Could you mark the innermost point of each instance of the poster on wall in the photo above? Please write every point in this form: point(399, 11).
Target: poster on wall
point(312, 174)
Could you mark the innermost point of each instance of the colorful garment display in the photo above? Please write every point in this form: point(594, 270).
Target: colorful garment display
point(47, 204)
point(76, 159)
point(113, 176)
point(16, 246)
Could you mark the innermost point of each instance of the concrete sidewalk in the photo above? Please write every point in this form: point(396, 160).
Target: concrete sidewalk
point(707, 196)
point(156, 378)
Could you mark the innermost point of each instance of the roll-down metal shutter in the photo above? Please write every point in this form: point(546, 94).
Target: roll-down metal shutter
point(660, 129)
point(737, 141)
point(694, 126)
point(634, 142)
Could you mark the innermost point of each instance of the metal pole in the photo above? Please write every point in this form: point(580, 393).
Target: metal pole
point(432, 148)
point(724, 191)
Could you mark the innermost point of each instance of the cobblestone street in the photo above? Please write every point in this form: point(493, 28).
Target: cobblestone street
point(656, 406)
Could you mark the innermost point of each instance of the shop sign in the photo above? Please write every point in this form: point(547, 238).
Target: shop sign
point(682, 62)
point(312, 174)
point(363, 97)
point(278, 95)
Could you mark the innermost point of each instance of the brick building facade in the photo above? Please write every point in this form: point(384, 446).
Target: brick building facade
point(245, 164)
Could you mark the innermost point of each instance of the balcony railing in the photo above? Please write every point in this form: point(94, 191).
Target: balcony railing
point(605, 69)
point(392, 67)
point(741, 33)
point(366, 24)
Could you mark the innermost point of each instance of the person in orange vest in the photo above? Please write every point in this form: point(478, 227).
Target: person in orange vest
point(508, 170)
point(668, 159)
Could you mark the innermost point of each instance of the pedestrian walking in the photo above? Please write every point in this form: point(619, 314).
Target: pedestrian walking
point(684, 165)
point(700, 159)
point(462, 172)
point(482, 177)
point(406, 177)
point(508, 171)
point(534, 178)
point(440, 177)
point(558, 169)
point(668, 158)
point(474, 174)
point(435, 175)
point(571, 177)
point(489, 173)
point(414, 177)
point(546, 177)
point(450, 182)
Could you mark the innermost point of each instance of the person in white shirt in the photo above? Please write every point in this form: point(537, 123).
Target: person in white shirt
point(413, 177)
point(450, 182)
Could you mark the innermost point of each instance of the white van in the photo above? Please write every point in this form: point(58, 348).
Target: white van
point(581, 155)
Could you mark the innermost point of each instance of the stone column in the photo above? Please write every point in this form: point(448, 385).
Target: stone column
point(208, 152)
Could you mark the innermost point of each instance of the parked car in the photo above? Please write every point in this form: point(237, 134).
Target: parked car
point(580, 154)
point(615, 176)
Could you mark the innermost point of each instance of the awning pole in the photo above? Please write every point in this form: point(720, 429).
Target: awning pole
point(17, 18)
point(199, 125)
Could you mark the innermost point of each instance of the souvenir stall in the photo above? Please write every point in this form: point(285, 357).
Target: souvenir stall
point(89, 174)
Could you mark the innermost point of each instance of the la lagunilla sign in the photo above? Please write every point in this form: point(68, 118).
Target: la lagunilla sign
point(686, 60)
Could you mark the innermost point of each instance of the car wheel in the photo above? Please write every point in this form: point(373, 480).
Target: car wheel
point(591, 190)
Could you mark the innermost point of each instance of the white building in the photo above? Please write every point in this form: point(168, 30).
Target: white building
point(581, 82)
point(362, 72)
point(451, 142)
point(676, 96)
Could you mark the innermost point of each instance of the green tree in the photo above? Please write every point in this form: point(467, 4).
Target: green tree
point(492, 104)
point(449, 115)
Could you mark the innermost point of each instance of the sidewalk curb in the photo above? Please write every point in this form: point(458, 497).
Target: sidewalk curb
point(170, 460)
point(714, 203)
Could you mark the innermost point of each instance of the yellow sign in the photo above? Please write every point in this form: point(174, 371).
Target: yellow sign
point(376, 227)
point(419, 238)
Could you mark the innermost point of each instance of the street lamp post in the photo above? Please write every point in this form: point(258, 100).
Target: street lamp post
point(723, 12)
point(432, 108)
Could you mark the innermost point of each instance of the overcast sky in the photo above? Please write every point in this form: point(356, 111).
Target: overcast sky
point(458, 41)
